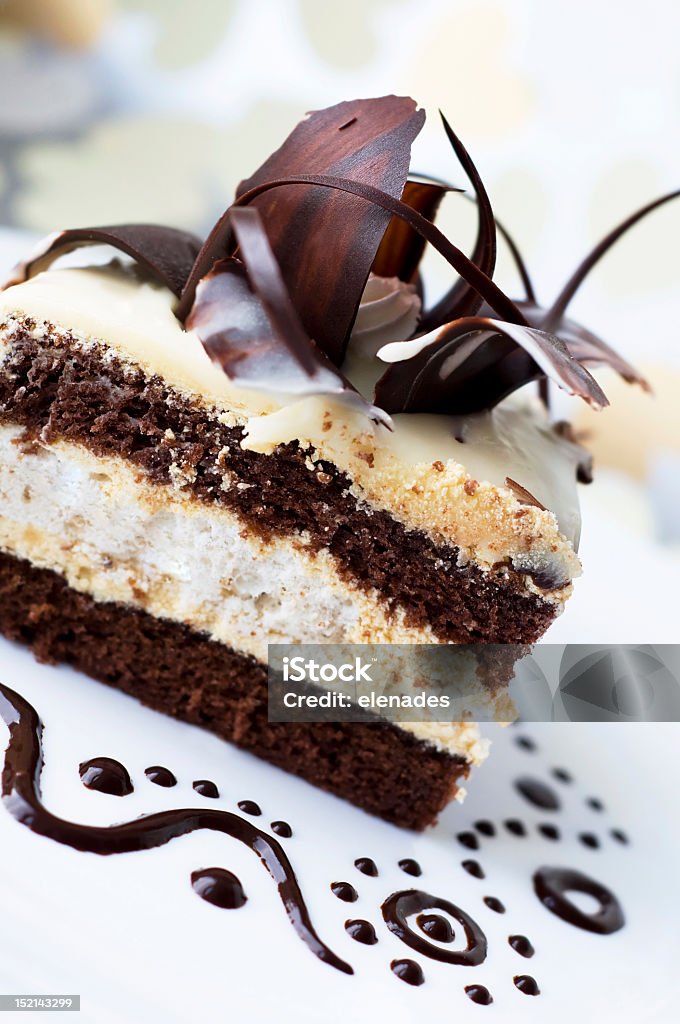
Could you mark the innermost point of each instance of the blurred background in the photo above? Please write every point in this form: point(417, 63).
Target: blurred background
point(123, 110)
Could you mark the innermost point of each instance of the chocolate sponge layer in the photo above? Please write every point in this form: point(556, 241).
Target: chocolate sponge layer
point(173, 669)
point(57, 390)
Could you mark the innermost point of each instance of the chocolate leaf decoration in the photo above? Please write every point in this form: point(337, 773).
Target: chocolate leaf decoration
point(558, 308)
point(167, 253)
point(325, 244)
point(401, 248)
point(248, 325)
point(475, 362)
point(462, 299)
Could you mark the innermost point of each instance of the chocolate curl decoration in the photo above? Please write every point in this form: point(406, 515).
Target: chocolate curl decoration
point(401, 249)
point(462, 299)
point(167, 253)
point(325, 245)
point(475, 362)
point(247, 324)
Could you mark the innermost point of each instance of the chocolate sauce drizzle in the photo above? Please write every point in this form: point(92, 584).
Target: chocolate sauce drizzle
point(436, 927)
point(160, 776)
point(515, 827)
point(549, 831)
point(551, 885)
point(361, 931)
point(493, 903)
point(486, 828)
point(204, 787)
point(345, 891)
point(22, 797)
point(538, 793)
point(106, 775)
point(409, 971)
point(219, 887)
point(479, 994)
point(521, 945)
point(590, 840)
point(281, 828)
point(473, 867)
point(526, 984)
point(398, 907)
point(469, 840)
point(366, 866)
point(249, 807)
point(411, 867)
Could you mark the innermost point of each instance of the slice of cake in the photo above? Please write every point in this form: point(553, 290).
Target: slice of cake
point(269, 438)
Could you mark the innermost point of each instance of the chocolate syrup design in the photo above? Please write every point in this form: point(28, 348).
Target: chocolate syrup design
point(204, 787)
point(398, 907)
point(366, 866)
point(494, 904)
point(479, 994)
point(409, 971)
point(526, 984)
point(411, 867)
point(521, 945)
point(361, 931)
point(106, 775)
point(249, 807)
point(160, 776)
point(22, 798)
point(281, 828)
point(219, 887)
point(436, 927)
point(538, 793)
point(473, 867)
point(345, 892)
point(551, 886)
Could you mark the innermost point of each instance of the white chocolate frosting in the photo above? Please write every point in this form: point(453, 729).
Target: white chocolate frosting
point(419, 471)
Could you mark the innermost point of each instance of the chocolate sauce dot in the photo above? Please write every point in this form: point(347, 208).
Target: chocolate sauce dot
point(479, 994)
point(553, 886)
point(105, 775)
point(595, 804)
point(366, 866)
point(562, 775)
point(219, 887)
point(526, 984)
point(409, 971)
point(281, 828)
point(473, 868)
point(494, 904)
point(589, 840)
point(345, 892)
point(468, 839)
point(160, 776)
point(526, 743)
point(538, 793)
point(485, 828)
point(411, 867)
point(549, 831)
point(515, 826)
point(249, 807)
point(521, 945)
point(435, 927)
point(361, 931)
point(204, 787)
point(619, 836)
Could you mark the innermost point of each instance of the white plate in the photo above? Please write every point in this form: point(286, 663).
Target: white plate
point(130, 936)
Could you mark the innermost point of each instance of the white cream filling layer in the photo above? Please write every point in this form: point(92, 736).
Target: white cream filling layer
point(118, 538)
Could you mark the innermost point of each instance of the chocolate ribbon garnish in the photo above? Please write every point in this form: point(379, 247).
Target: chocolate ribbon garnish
point(246, 322)
point(22, 797)
point(167, 253)
point(475, 362)
point(401, 249)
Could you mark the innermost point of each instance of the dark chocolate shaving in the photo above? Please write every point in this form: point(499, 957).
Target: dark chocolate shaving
point(247, 324)
point(401, 249)
point(475, 362)
point(167, 253)
point(523, 495)
point(325, 244)
point(462, 299)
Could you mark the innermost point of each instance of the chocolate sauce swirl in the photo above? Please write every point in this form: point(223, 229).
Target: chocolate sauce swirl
point(160, 776)
point(551, 886)
point(220, 887)
point(21, 796)
point(398, 907)
point(106, 775)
